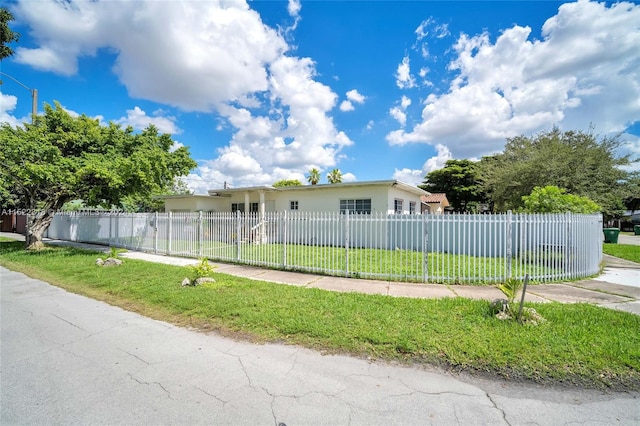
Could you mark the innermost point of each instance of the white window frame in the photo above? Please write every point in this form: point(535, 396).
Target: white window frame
point(412, 207)
point(398, 205)
point(293, 205)
point(355, 205)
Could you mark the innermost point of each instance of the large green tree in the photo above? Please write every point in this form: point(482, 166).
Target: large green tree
point(6, 34)
point(573, 160)
point(458, 179)
point(61, 158)
point(632, 202)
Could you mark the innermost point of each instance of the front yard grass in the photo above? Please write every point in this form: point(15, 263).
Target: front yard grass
point(398, 264)
point(623, 251)
point(579, 345)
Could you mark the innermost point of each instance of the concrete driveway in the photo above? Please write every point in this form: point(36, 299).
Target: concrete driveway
point(67, 359)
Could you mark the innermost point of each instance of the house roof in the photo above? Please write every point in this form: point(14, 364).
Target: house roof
point(435, 198)
point(181, 196)
point(404, 186)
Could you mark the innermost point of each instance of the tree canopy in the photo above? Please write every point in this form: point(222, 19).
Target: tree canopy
point(61, 158)
point(287, 182)
point(334, 176)
point(552, 199)
point(573, 160)
point(314, 176)
point(459, 180)
point(6, 34)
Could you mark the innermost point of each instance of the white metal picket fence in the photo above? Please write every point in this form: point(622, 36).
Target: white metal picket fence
point(414, 248)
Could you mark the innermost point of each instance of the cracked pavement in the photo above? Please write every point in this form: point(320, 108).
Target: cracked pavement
point(67, 359)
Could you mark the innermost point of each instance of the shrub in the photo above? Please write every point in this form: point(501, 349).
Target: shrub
point(552, 199)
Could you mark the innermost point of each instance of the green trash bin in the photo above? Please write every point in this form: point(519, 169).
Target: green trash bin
point(611, 235)
point(636, 229)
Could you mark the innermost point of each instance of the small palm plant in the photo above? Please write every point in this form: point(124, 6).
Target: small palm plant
point(510, 288)
point(203, 269)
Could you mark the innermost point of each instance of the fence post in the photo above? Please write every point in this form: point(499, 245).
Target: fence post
point(425, 248)
point(567, 266)
point(238, 227)
point(509, 233)
point(346, 243)
point(169, 225)
point(200, 232)
point(284, 239)
point(155, 233)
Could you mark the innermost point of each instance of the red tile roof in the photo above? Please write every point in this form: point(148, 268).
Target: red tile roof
point(434, 198)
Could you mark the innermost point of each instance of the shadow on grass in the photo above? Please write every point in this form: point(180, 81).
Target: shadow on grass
point(17, 248)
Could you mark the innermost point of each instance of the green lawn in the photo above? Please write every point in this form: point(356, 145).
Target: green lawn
point(623, 251)
point(398, 265)
point(580, 344)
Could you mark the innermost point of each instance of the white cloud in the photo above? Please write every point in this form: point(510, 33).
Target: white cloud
point(356, 97)
point(399, 114)
point(416, 177)
point(267, 148)
point(175, 146)
point(404, 79)
point(349, 177)
point(8, 103)
point(584, 71)
point(346, 106)
point(294, 7)
point(352, 97)
point(139, 120)
point(203, 53)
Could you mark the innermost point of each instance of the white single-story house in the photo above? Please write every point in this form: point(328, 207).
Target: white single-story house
point(387, 196)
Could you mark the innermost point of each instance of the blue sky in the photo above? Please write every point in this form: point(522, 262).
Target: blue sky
point(265, 90)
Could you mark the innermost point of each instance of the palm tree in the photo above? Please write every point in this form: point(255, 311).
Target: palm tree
point(314, 176)
point(335, 176)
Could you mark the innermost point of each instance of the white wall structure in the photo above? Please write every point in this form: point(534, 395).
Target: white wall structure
point(383, 196)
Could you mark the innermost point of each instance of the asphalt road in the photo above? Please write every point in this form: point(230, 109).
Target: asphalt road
point(67, 359)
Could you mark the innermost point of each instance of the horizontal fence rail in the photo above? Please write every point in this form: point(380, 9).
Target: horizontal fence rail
point(453, 248)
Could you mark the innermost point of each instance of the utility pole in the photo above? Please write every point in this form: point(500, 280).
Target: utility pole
point(34, 96)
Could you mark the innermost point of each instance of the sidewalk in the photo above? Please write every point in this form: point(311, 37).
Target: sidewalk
point(617, 288)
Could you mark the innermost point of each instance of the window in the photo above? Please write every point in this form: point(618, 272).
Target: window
point(359, 206)
point(397, 206)
point(253, 208)
point(237, 207)
point(412, 207)
point(293, 205)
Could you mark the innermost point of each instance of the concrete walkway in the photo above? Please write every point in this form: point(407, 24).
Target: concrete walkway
point(617, 288)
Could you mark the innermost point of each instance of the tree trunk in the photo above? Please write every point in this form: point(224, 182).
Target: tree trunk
point(35, 229)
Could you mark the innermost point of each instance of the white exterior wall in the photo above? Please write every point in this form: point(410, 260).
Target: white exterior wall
point(327, 199)
point(254, 197)
point(203, 203)
point(406, 197)
point(320, 198)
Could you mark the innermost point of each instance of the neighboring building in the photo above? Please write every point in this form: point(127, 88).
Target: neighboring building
point(434, 203)
point(390, 196)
